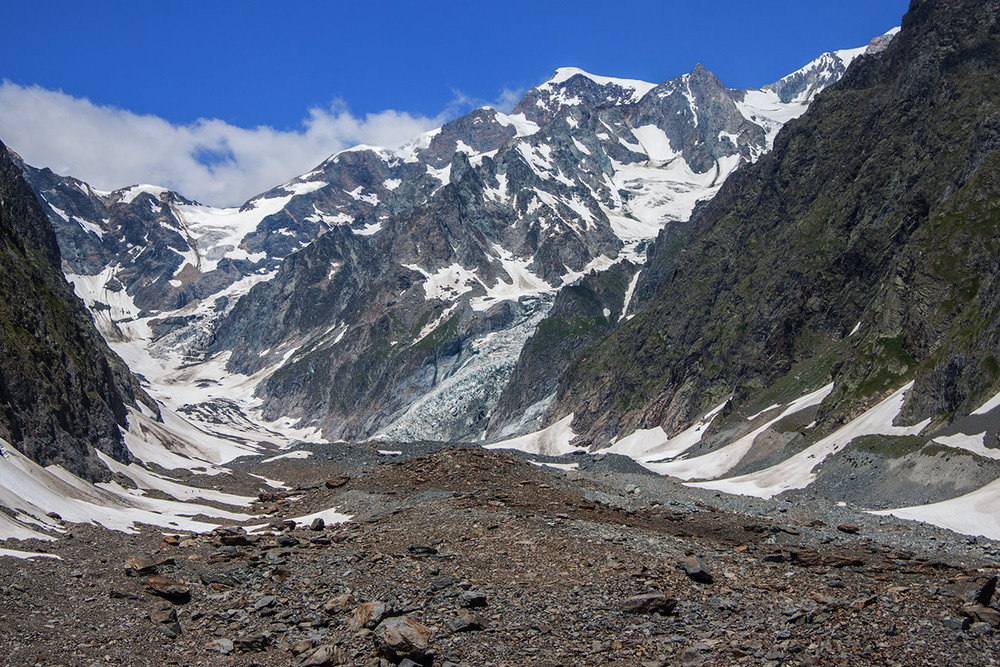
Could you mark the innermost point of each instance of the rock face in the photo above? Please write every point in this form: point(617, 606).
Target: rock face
point(580, 317)
point(63, 393)
point(414, 331)
point(878, 207)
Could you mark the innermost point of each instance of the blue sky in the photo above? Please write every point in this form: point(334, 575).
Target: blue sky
point(319, 76)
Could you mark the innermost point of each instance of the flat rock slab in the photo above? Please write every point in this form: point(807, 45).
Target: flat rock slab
point(652, 603)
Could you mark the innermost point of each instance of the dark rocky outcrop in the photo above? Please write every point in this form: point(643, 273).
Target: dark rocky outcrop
point(63, 393)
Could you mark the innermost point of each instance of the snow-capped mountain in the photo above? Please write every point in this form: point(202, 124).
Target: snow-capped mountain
point(390, 290)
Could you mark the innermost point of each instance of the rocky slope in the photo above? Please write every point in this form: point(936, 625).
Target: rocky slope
point(861, 251)
point(468, 557)
point(395, 288)
point(63, 393)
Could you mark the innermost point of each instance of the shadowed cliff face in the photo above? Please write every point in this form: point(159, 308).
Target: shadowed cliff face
point(62, 391)
point(881, 206)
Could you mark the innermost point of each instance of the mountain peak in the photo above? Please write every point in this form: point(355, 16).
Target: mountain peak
point(564, 74)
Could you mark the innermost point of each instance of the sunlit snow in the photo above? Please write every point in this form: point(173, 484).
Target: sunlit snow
point(551, 441)
point(798, 471)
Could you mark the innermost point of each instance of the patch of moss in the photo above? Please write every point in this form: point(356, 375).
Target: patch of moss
point(890, 366)
point(441, 334)
point(936, 449)
point(889, 446)
point(805, 376)
point(562, 326)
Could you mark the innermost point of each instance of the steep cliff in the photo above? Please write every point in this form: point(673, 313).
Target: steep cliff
point(63, 393)
point(879, 206)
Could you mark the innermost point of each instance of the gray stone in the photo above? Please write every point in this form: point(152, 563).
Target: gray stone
point(466, 621)
point(265, 602)
point(472, 599)
point(223, 646)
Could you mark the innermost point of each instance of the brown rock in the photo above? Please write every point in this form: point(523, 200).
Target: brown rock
point(650, 603)
point(861, 603)
point(163, 613)
point(337, 482)
point(322, 656)
point(172, 540)
point(235, 539)
point(839, 560)
point(139, 565)
point(255, 642)
point(317, 524)
point(973, 590)
point(367, 615)
point(805, 556)
point(982, 614)
point(339, 603)
point(848, 528)
point(402, 637)
point(298, 648)
point(164, 616)
point(172, 590)
point(466, 621)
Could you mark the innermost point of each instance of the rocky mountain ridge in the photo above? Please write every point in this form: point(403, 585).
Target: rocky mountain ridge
point(396, 287)
point(856, 261)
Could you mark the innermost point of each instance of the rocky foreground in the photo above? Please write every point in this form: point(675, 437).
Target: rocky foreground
point(462, 556)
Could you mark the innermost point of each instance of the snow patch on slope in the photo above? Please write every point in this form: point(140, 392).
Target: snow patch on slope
point(975, 513)
point(563, 74)
point(550, 441)
point(798, 471)
point(32, 491)
point(647, 445)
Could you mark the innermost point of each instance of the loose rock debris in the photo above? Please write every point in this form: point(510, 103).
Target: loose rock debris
point(474, 557)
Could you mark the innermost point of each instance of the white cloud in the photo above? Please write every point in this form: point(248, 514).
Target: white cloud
point(208, 160)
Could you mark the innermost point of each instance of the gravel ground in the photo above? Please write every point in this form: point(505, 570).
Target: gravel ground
point(462, 556)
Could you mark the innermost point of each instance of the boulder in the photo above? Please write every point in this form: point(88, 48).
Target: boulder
point(651, 603)
point(401, 637)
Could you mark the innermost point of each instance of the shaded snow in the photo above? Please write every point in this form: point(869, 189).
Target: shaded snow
point(989, 405)
point(522, 282)
point(654, 143)
point(297, 454)
point(975, 513)
point(970, 443)
point(13, 553)
point(628, 294)
point(447, 283)
point(557, 466)
point(127, 195)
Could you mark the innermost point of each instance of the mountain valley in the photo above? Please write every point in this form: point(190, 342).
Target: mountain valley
point(633, 373)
